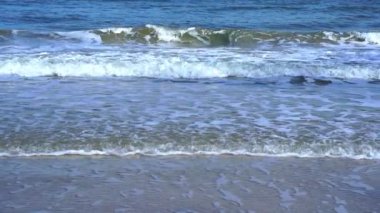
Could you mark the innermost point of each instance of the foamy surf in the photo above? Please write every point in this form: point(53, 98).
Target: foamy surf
point(193, 64)
point(162, 52)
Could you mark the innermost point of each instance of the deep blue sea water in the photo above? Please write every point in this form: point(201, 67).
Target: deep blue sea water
point(283, 15)
point(285, 77)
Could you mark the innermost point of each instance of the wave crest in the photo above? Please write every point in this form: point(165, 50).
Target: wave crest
point(194, 36)
point(229, 37)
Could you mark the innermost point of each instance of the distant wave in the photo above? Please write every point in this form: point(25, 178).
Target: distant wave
point(194, 36)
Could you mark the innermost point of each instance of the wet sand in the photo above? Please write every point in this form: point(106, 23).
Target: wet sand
point(189, 184)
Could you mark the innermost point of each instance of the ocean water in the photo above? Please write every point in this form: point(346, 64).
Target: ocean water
point(285, 77)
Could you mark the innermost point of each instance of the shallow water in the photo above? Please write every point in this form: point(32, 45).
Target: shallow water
point(125, 116)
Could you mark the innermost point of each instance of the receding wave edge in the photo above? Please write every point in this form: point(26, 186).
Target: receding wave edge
point(174, 153)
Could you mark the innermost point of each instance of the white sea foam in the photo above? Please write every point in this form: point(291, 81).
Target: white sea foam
point(183, 63)
point(146, 66)
point(165, 34)
point(354, 37)
point(84, 36)
point(371, 37)
point(127, 30)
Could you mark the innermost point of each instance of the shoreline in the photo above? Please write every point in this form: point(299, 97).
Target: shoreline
point(179, 183)
point(132, 154)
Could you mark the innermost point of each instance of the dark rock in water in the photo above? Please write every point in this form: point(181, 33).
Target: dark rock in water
point(233, 77)
point(184, 81)
point(265, 82)
point(344, 80)
point(375, 81)
point(54, 75)
point(348, 82)
point(360, 39)
point(322, 82)
point(298, 80)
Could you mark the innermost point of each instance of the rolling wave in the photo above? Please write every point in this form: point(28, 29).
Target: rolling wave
point(193, 36)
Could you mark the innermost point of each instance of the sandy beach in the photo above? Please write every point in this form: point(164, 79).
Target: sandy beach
point(189, 184)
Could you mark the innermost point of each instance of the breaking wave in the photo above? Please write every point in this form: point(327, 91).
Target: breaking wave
point(194, 36)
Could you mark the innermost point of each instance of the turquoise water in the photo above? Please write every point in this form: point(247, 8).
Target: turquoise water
point(167, 77)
